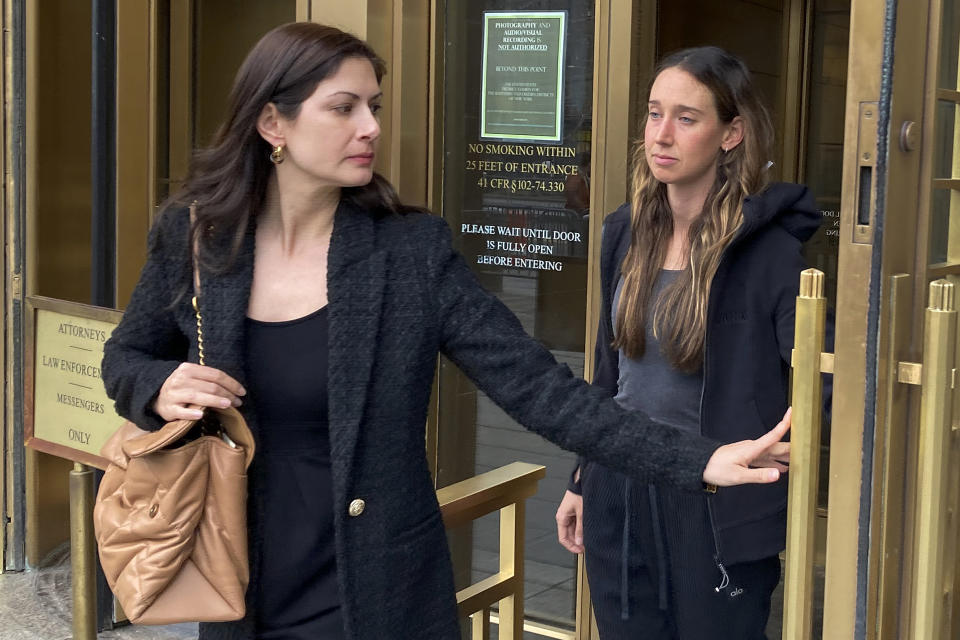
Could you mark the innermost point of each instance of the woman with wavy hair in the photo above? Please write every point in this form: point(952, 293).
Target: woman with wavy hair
point(325, 304)
point(700, 271)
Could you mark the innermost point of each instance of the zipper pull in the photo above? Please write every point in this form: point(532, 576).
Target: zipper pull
point(725, 580)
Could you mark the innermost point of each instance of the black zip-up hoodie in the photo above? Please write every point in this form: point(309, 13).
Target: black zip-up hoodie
point(750, 325)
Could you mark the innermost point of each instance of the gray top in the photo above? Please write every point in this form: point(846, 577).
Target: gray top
point(650, 384)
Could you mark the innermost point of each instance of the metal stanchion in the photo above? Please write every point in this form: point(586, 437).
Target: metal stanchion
point(83, 553)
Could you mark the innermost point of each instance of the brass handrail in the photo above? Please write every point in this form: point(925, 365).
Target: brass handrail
point(807, 401)
point(505, 489)
point(928, 617)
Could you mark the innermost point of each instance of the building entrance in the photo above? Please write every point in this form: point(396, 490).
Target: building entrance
point(514, 120)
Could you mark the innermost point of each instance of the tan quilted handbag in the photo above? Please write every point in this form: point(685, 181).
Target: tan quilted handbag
point(171, 514)
point(171, 522)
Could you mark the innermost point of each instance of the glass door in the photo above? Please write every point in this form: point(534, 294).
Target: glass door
point(518, 112)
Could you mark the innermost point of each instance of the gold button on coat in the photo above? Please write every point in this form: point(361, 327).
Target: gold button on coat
point(357, 507)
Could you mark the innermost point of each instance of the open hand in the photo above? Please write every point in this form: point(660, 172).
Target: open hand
point(192, 386)
point(751, 461)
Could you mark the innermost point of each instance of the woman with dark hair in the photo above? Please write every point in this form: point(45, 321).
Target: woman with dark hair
point(325, 303)
point(700, 274)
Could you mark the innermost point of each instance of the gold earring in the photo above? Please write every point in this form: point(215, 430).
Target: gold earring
point(278, 154)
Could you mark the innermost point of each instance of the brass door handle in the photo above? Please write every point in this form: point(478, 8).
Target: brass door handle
point(809, 362)
point(935, 498)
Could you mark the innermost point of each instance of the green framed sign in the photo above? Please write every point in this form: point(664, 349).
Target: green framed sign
point(522, 76)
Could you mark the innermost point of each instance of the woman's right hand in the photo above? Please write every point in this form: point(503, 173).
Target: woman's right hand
point(192, 386)
point(757, 461)
point(570, 522)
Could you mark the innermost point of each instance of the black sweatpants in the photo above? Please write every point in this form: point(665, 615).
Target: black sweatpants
point(664, 583)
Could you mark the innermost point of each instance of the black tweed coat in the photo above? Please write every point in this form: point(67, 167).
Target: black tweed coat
point(399, 295)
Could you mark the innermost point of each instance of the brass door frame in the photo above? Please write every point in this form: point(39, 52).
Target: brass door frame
point(614, 129)
point(349, 16)
point(863, 85)
point(136, 144)
point(180, 123)
point(797, 42)
point(11, 273)
point(872, 445)
point(434, 187)
point(904, 251)
point(12, 473)
point(614, 122)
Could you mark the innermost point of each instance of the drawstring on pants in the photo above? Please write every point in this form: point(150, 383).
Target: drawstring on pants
point(625, 555)
point(662, 584)
point(661, 552)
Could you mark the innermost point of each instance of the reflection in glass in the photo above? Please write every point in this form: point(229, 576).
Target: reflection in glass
point(823, 170)
point(949, 45)
point(944, 141)
point(940, 223)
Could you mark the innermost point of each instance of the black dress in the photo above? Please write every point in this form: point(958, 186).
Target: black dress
point(287, 386)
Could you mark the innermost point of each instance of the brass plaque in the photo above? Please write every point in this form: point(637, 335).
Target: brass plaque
point(68, 413)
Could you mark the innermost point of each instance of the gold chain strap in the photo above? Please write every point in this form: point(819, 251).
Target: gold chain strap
point(208, 427)
point(196, 287)
point(196, 308)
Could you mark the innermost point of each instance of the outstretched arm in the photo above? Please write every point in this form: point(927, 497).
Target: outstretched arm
point(482, 337)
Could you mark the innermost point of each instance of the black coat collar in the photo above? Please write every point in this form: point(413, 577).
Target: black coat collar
point(356, 275)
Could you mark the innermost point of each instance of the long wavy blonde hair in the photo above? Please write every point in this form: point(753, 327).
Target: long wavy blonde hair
point(680, 313)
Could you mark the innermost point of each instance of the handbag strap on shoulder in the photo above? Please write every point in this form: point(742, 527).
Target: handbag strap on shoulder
point(196, 281)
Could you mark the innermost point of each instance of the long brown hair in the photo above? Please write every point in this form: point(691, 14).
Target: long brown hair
point(228, 180)
point(680, 312)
